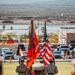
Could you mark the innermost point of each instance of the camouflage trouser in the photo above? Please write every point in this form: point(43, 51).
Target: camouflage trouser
point(51, 74)
point(21, 74)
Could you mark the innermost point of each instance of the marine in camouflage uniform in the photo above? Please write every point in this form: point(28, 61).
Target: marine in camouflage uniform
point(21, 69)
point(51, 69)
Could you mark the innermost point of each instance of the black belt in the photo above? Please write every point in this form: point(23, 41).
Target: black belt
point(50, 73)
point(21, 72)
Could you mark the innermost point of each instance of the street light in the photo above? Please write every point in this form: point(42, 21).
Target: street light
point(62, 27)
point(38, 30)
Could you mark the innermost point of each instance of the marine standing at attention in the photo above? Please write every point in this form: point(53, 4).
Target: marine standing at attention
point(51, 69)
point(21, 69)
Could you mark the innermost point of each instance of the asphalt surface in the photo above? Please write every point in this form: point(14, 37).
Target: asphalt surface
point(16, 59)
point(37, 60)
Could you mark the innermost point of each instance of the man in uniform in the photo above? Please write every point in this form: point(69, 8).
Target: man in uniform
point(51, 69)
point(21, 69)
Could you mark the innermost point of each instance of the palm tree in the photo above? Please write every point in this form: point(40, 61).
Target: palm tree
point(7, 36)
point(4, 38)
point(23, 37)
point(56, 38)
point(53, 38)
point(42, 29)
point(0, 37)
point(10, 35)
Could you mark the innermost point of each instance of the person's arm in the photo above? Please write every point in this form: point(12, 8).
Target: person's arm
point(17, 70)
point(26, 70)
point(45, 71)
point(56, 70)
point(20, 69)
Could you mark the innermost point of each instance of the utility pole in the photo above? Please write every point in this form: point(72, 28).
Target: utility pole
point(38, 30)
point(62, 27)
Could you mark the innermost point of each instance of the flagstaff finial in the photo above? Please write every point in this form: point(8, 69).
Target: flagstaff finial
point(32, 22)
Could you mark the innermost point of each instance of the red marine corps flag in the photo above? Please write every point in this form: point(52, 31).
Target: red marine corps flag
point(33, 48)
point(47, 53)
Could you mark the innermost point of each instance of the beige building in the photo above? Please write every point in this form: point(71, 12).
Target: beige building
point(66, 35)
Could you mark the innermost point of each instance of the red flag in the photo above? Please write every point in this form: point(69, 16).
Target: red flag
point(33, 48)
point(47, 53)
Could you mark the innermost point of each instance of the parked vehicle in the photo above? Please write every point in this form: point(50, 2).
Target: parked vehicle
point(59, 46)
point(8, 54)
point(25, 55)
point(52, 47)
point(57, 54)
point(0, 52)
point(5, 50)
point(20, 46)
point(63, 48)
point(71, 45)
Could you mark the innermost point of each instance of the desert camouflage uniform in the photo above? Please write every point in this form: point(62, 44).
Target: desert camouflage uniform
point(51, 69)
point(21, 69)
point(29, 71)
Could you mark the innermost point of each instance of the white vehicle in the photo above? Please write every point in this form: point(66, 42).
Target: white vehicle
point(5, 50)
point(63, 47)
point(9, 54)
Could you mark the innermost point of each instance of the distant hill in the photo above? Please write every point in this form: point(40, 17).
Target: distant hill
point(36, 7)
point(57, 2)
point(49, 2)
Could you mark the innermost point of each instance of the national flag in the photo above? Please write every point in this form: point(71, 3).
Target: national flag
point(33, 48)
point(47, 53)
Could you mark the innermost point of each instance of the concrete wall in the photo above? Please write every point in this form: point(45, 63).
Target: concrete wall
point(70, 38)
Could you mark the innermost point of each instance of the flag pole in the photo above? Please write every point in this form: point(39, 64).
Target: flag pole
point(38, 30)
point(33, 47)
point(47, 51)
point(48, 41)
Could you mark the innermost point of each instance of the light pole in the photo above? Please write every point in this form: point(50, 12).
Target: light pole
point(62, 27)
point(38, 30)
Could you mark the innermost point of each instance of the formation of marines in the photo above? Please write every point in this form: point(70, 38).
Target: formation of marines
point(38, 68)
